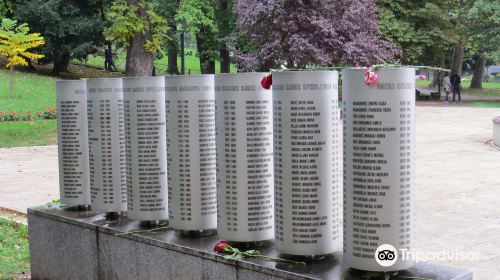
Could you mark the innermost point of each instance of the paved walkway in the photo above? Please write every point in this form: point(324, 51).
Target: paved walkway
point(458, 186)
point(28, 176)
point(457, 183)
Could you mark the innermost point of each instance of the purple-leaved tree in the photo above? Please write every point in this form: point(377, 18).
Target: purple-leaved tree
point(302, 33)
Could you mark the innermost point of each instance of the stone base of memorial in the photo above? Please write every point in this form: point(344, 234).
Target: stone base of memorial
point(84, 245)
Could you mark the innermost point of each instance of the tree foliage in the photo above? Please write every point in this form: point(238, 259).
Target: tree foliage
point(198, 17)
point(422, 29)
point(478, 23)
point(72, 28)
point(15, 43)
point(168, 9)
point(6, 8)
point(127, 20)
point(225, 17)
point(226, 23)
point(301, 33)
point(481, 27)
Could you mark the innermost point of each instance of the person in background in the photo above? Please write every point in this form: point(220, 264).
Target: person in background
point(455, 85)
point(106, 56)
point(447, 86)
point(108, 59)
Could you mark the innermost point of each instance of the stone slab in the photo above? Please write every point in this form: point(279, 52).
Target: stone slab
point(122, 258)
point(85, 245)
point(61, 250)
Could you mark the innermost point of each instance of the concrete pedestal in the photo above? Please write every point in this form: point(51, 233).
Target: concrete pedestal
point(84, 245)
point(496, 131)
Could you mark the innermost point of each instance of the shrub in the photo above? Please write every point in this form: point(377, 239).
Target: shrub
point(48, 114)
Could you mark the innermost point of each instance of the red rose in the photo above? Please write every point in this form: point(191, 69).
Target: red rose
point(371, 77)
point(267, 81)
point(219, 247)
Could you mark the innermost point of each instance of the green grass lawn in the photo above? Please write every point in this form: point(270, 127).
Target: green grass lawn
point(34, 133)
point(491, 85)
point(14, 251)
point(32, 92)
point(36, 93)
point(482, 104)
point(422, 83)
point(192, 63)
point(490, 89)
point(485, 92)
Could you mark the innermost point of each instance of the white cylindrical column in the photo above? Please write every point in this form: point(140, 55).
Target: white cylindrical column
point(108, 178)
point(307, 162)
point(190, 106)
point(496, 131)
point(244, 158)
point(379, 169)
point(146, 148)
point(72, 139)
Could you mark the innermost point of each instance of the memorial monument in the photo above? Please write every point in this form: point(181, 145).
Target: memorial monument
point(308, 163)
point(218, 135)
point(379, 170)
point(244, 128)
point(72, 139)
point(146, 148)
point(190, 106)
point(106, 126)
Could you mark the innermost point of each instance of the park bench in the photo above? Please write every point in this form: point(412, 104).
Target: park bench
point(427, 94)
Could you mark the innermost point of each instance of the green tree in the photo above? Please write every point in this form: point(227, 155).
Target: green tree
point(457, 11)
point(6, 8)
point(136, 25)
point(168, 10)
point(421, 29)
point(198, 17)
point(226, 22)
point(483, 35)
point(476, 24)
point(15, 41)
point(72, 28)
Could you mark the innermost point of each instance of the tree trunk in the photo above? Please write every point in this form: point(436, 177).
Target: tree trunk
point(11, 81)
point(265, 66)
point(61, 63)
point(101, 8)
point(239, 63)
point(477, 77)
point(173, 50)
point(438, 76)
point(225, 62)
point(207, 62)
point(31, 67)
point(139, 62)
point(458, 59)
